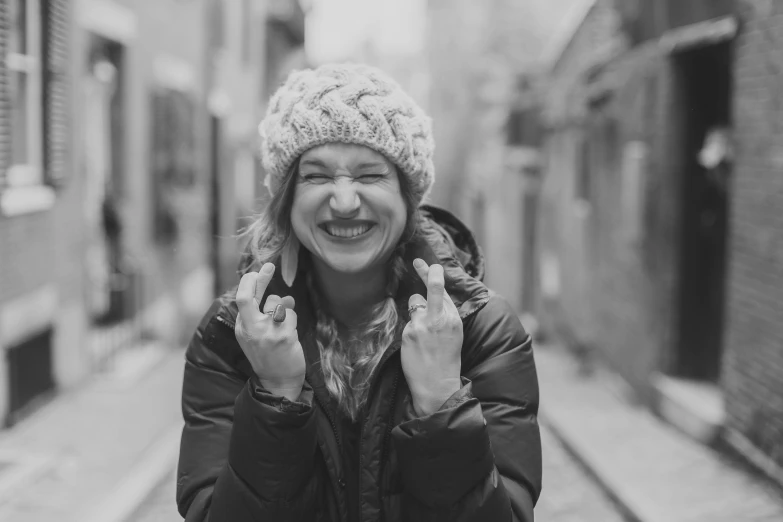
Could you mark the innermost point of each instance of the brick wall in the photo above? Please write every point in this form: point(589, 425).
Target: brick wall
point(34, 253)
point(42, 252)
point(753, 363)
point(564, 226)
point(617, 284)
point(621, 295)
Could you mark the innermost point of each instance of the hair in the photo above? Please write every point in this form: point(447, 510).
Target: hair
point(347, 363)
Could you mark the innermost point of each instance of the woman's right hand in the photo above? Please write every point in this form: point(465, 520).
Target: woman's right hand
point(273, 349)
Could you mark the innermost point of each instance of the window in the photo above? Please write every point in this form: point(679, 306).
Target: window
point(247, 26)
point(633, 189)
point(522, 128)
point(583, 170)
point(23, 180)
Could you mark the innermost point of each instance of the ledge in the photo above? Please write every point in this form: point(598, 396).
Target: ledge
point(700, 34)
point(696, 408)
point(17, 201)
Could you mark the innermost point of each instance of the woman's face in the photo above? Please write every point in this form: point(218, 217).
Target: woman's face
point(348, 210)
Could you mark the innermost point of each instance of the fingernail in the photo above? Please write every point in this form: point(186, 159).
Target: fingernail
point(268, 268)
point(418, 263)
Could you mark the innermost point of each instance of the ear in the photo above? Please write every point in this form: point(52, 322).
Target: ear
point(289, 260)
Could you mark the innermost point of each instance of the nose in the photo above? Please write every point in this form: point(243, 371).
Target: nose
point(344, 202)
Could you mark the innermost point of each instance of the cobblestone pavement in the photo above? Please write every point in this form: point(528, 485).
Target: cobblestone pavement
point(656, 472)
point(569, 494)
point(92, 438)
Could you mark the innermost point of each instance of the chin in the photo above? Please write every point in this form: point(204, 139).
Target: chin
point(349, 264)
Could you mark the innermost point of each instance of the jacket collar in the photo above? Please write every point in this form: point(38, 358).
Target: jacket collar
point(444, 239)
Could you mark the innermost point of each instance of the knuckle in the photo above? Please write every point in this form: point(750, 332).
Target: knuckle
point(409, 331)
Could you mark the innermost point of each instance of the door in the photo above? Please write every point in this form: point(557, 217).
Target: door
point(705, 82)
point(216, 153)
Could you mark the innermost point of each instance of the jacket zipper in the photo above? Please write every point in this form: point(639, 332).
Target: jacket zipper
point(225, 322)
point(328, 416)
point(389, 428)
point(366, 420)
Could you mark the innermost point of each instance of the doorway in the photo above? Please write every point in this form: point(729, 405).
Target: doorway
point(103, 165)
point(703, 86)
point(215, 222)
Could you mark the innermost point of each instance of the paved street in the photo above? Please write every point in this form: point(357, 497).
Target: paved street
point(569, 494)
point(655, 471)
point(99, 446)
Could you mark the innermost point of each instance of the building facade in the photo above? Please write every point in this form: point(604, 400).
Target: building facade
point(127, 167)
point(485, 62)
point(752, 367)
point(659, 228)
point(40, 270)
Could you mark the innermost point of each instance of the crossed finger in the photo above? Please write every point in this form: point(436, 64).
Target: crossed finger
point(416, 302)
point(277, 307)
point(434, 278)
point(250, 290)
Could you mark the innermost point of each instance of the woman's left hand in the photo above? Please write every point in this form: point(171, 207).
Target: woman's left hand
point(432, 343)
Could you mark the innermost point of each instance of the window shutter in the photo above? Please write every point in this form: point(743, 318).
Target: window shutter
point(5, 116)
point(55, 34)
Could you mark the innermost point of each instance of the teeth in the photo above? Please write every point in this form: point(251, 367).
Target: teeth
point(347, 232)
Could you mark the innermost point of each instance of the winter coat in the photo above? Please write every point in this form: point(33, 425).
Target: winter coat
point(249, 456)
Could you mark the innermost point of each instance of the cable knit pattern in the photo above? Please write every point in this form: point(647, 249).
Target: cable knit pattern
point(347, 103)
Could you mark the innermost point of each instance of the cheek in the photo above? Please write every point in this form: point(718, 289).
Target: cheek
point(303, 210)
point(393, 207)
point(306, 203)
point(401, 214)
point(397, 206)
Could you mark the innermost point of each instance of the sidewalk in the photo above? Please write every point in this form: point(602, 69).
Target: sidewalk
point(651, 470)
point(93, 454)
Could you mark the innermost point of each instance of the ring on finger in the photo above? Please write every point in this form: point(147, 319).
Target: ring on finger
point(278, 314)
point(415, 307)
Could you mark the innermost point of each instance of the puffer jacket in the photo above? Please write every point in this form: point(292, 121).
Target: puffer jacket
point(248, 456)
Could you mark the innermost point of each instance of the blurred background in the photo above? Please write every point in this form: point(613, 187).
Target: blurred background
point(618, 160)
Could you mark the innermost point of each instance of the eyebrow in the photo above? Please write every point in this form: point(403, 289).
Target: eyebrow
point(318, 163)
point(313, 162)
point(371, 164)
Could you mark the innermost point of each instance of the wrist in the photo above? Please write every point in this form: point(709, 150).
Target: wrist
point(428, 400)
point(290, 391)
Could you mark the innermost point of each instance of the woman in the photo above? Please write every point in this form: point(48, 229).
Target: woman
point(360, 371)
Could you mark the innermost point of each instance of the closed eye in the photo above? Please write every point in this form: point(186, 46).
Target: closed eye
point(316, 178)
point(371, 177)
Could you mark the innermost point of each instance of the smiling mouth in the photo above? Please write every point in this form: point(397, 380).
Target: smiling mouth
point(346, 232)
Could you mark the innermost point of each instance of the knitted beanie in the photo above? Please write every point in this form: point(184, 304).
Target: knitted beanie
point(346, 103)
